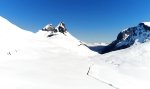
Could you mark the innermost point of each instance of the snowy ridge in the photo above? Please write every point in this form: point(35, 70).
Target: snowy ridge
point(11, 29)
point(12, 37)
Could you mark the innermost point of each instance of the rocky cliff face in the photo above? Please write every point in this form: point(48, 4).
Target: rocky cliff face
point(129, 37)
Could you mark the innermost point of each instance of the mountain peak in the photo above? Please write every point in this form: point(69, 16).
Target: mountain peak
point(61, 24)
point(146, 23)
point(60, 28)
point(48, 27)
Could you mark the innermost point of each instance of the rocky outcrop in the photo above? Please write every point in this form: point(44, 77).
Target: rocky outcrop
point(48, 27)
point(60, 28)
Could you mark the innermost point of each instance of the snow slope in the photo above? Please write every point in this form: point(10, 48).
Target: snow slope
point(124, 69)
point(8, 29)
point(35, 61)
point(12, 37)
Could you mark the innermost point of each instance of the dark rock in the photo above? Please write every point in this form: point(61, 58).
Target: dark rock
point(145, 26)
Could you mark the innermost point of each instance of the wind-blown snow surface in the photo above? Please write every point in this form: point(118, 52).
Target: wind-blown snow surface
point(125, 69)
point(35, 61)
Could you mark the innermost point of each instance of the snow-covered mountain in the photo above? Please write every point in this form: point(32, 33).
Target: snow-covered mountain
point(62, 38)
point(129, 37)
point(14, 37)
point(38, 61)
point(51, 30)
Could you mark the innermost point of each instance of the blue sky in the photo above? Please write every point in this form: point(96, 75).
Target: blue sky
point(88, 20)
